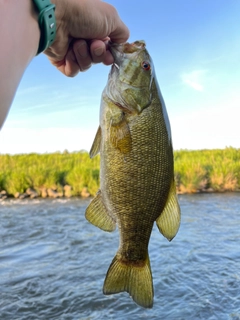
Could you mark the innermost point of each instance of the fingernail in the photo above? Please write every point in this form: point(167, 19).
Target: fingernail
point(98, 52)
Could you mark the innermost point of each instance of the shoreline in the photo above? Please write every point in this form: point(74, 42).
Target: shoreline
point(75, 174)
point(53, 194)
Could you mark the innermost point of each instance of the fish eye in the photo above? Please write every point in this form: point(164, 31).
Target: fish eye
point(146, 65)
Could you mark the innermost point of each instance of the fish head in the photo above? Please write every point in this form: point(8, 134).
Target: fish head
point(131, 76)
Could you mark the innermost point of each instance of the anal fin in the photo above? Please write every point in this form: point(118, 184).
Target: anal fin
point(96, 213)
point(169, 220)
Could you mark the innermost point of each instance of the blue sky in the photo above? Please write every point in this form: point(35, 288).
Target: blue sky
point(195, 46)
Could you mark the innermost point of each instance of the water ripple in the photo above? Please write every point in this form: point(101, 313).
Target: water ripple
point(53, 263)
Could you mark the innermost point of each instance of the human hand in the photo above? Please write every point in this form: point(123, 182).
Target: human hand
point(84, 28)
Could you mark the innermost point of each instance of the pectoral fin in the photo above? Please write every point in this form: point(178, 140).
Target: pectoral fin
point(169, 221)
point(95, 149)
point(96, 213)
point(120, 135)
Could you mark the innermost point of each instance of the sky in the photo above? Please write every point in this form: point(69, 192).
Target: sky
point(195, 47)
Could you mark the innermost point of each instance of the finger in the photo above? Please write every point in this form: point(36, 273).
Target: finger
point(69, 65)
point(82, 54)
point(97, 50)
point(120, 34)
point(108, 58)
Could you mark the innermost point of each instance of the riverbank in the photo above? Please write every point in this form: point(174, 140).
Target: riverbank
point(75, 174)
point(207, 170)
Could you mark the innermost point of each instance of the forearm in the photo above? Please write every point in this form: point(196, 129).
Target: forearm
point(19, 34)
point(84, 28)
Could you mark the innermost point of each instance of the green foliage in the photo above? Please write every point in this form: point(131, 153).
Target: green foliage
point(202, 170)
point(19, 172)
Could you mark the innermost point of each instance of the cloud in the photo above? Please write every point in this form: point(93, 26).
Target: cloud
point(194, 79)
point(31, 90)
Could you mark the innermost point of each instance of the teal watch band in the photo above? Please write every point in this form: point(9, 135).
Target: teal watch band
point(47, 23)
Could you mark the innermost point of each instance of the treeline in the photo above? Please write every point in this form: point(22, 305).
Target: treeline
point(195, 171)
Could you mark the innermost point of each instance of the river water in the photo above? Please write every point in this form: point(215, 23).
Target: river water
point(53, 263)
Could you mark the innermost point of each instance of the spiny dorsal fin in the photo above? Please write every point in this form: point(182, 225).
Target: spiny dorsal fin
point(169, 220)
point(96, 213)
point(95, 149)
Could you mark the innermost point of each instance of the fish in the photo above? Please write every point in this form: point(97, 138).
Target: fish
point(137, 186)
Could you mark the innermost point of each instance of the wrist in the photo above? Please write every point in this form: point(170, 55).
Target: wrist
point(33, 32)
point(27, 33)
point(47, 23)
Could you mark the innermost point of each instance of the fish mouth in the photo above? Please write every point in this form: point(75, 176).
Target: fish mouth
point(116, 65)
point(120, 50)
point(114, 69)
point(127, 47)
point(117, 52)
point(118, 56)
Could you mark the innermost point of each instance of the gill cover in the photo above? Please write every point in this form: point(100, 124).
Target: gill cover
point(132, 75)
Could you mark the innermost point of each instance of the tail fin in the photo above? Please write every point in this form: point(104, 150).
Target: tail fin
point(132, 278)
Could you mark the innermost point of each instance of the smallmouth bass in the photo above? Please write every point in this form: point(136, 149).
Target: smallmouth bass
point(136, 170)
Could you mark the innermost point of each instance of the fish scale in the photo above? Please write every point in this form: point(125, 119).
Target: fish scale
point(137, 184)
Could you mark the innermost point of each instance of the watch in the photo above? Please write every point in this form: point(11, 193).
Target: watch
point(47, 23)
